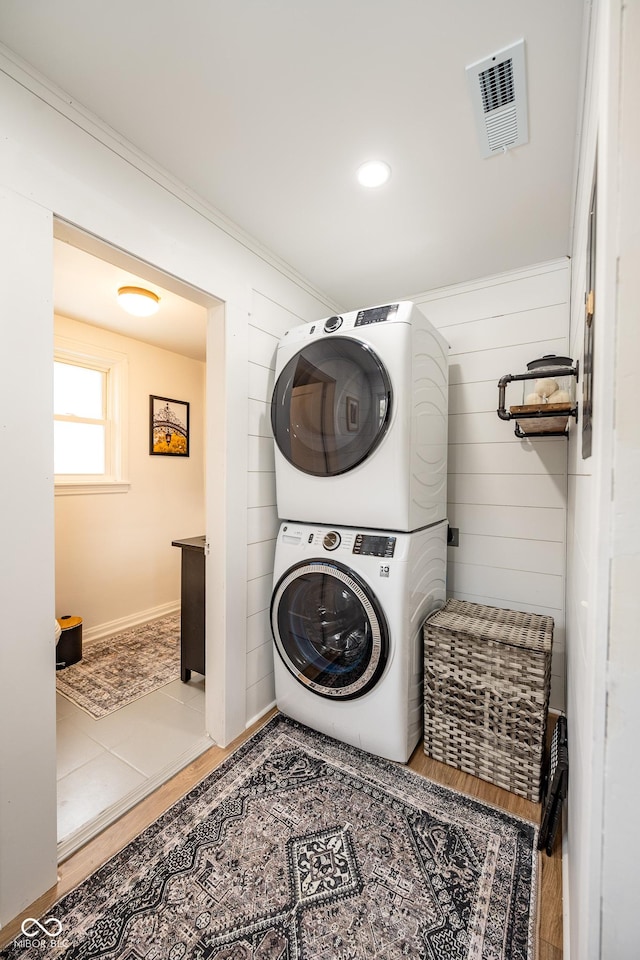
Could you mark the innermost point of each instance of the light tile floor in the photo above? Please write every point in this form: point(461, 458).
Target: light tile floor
point(101, 762)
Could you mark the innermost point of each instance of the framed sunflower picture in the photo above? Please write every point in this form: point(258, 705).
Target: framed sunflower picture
point(168, 427)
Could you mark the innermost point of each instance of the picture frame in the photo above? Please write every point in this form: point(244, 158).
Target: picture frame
point(353, 414)
point(168, 427)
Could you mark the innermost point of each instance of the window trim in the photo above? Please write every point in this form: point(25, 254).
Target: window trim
point(115, 365)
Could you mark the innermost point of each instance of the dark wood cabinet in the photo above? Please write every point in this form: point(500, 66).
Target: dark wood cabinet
point(192, 610)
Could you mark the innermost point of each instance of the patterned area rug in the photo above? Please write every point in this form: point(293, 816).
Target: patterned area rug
point(302, 848)
point(118, 670)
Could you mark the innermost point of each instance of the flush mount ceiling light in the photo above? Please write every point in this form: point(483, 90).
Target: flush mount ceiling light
point(373, 173)
point(138, 301)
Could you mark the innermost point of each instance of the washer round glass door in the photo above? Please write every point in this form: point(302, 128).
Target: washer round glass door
point(329, 629)
point(331, 406)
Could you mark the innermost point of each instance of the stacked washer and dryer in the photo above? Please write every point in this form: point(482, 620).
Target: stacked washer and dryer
point(359, 417)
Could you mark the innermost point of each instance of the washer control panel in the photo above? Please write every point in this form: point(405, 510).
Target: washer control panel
point(376, 314)
point(345, 540)
point(367, 545)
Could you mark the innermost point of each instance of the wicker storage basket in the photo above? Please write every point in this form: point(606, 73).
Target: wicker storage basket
point(487, 674)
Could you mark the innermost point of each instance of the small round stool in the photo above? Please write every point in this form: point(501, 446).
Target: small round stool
point(69, 646)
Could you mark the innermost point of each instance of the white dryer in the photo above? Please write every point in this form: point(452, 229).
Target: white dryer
point(359, 418)
point(346, 616)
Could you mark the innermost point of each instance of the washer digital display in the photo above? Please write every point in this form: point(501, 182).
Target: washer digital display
point(367, 545)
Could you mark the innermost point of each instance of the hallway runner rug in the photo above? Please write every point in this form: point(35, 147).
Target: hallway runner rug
point(115, 671)
point(298, 847)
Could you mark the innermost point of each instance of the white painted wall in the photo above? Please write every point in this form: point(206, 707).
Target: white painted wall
point(621, 848)
point(506, 496)
point(27, 650)
point(55, 160)
point(114, 559)
point(603, 565)
point(586, 654)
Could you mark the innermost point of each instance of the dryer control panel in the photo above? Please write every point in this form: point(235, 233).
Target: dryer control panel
point(368, 545)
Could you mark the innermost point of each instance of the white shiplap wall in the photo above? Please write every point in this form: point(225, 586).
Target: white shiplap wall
point(267, 324)
point(508, 497)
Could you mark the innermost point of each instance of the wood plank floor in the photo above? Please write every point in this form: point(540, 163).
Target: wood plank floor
point(74, 870)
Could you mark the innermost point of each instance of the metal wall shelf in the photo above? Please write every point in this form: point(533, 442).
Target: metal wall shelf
point(538, 419)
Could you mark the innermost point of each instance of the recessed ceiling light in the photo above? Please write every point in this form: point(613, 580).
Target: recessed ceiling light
point(138, 301)
point(374, 173)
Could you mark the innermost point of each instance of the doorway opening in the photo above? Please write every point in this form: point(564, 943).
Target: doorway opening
point(115, 563)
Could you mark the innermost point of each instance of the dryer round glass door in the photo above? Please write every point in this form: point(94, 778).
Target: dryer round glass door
point(331, 406)
point(329, 629)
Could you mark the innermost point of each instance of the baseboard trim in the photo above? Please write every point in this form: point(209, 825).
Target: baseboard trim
point(127, 623)
point(260, 715)
point(93, 827)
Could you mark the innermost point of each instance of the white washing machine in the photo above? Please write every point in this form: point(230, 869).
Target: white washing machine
point(347, 610)
point(359, 418)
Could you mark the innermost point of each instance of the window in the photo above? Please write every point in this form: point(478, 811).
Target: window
point(89, 434)
point(80, 420)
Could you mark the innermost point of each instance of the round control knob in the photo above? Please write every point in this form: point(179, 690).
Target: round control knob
point(331, 540)
point(332, 324)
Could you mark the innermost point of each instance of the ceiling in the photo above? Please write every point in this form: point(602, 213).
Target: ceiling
point(265, 110)
point(85, 288)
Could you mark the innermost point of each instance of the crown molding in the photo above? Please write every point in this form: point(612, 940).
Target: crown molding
point(45, 90)
point(467, 286)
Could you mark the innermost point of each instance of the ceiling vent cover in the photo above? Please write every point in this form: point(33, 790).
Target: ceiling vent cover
point(499, 97)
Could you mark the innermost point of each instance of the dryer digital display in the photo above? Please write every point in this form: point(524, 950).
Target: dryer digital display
point(331, 406)
point(376, 314)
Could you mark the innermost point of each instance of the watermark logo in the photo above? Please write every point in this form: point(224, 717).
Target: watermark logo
point(43, 934)
point(50, 927)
